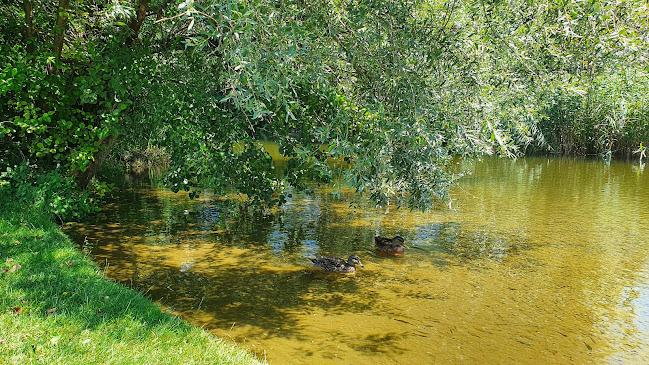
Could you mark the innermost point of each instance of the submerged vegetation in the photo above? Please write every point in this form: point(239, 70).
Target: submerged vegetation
point(392, 87)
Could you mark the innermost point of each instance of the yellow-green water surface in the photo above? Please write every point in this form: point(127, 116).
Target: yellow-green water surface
point(538, 261)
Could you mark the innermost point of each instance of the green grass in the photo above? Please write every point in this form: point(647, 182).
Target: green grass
point(95, 320)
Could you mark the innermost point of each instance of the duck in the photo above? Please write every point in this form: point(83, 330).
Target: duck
point(336, 264)
point(389, 246)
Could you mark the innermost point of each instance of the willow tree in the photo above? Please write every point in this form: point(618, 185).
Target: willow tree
point(571, 75)
point(355, 80)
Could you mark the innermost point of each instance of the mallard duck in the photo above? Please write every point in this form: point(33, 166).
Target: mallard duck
point(336, 264)
point(389, 246)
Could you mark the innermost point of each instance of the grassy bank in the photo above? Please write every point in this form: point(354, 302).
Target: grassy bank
point(56, 307)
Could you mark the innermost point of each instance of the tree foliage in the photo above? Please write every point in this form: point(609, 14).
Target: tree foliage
point(392, 88)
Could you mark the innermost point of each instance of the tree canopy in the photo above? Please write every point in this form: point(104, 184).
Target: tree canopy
point(392, 88)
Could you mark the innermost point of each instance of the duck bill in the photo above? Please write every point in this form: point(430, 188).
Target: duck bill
point(363, 266)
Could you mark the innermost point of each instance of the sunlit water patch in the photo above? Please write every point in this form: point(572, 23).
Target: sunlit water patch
point(537, 261)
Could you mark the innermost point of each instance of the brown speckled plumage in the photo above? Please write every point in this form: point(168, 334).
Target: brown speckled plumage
point(336, 264)
point(389, 246)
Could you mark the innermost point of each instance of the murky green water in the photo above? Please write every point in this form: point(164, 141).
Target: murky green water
point(539, 261)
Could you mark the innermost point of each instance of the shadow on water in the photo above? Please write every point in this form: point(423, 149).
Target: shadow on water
point(535, 264)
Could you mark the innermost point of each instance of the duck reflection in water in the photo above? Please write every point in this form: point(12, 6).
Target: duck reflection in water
point(389, 246)
point(335, 264)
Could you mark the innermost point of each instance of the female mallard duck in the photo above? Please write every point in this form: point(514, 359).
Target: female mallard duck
point(335, 264)
point(389, 246)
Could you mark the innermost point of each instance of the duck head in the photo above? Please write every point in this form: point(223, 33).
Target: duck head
point(355, 260)
point(398, 240)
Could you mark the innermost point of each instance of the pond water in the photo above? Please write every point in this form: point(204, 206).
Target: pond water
point(537, 261)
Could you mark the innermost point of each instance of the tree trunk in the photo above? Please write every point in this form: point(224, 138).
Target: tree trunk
point(30, 34)
point(136, 24)
point(59, 31)
point(105, 146)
